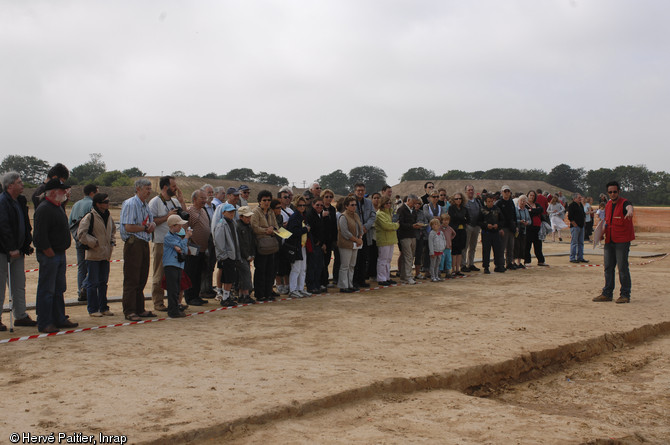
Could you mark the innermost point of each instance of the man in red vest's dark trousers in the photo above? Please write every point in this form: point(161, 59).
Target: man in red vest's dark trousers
point(619, 233)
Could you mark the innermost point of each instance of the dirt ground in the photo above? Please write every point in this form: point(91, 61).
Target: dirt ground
point(522, 357)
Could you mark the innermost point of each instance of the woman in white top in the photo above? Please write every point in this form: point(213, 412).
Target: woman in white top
point(556, 213)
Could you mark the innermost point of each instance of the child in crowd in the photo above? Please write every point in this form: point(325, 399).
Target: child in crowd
point(449, 235)
point(436, 245)
point(247, 241)
point(227, 252)
point(175, 250)
point(601, 211)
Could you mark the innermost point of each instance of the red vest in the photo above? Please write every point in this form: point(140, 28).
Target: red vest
point(618, 229)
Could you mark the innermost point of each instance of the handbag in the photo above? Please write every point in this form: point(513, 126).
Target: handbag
point(267, 245)
point(290, 252)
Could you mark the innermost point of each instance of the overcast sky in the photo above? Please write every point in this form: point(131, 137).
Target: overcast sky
point(302, 88)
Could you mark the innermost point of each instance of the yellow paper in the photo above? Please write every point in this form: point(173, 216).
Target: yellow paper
point(283, 233)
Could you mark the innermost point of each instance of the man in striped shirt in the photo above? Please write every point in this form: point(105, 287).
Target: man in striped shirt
point(137, 225)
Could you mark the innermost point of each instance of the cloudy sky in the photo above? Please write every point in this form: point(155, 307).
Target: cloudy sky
point(302, 88)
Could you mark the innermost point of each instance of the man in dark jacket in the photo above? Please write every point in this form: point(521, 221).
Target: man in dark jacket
point(407, 237)
point(15, 240)
point(577, 219)
point(52, 238)
point(490, 219)
point(507, 225)
point(317, 236)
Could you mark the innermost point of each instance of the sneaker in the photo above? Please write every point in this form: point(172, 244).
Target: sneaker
point(459, 274)
point(583, 260)
point(392, 282)
point(465, 269)
point(246, 299)
point(474, 269)
point(295, 294)
point(228, 302)
point(574, 261)
point(420, 277)
point(95, 314)
point(305, 293)
point(410, 281)
point(623, 300)
point(520, 266)
point(487, 271)
point(602, 298)
point(435, 280)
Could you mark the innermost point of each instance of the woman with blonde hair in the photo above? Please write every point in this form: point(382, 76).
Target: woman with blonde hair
point(387, 237)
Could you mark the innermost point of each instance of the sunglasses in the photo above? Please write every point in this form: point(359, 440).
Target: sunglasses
point(613, 192)
point(328, 196)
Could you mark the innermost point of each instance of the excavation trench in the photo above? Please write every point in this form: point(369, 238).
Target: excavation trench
point(478, 380)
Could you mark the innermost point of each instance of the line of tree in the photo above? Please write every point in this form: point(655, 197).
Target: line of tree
point(639, 184)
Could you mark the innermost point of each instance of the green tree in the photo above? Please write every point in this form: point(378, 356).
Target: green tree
point(211, 175)
point(90, 170)
point(271, 178)
point(241, 174)
point(133, 172)
point(373, 177)
point(596, 181)
point(337, 181)
point(418, 174)
point(636, 182)
point(178, 174)
point(568, 178)
point(456, 174)
point(32, 170)
point(113, 178)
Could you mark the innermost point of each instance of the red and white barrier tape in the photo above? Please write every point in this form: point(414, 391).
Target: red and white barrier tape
point(630, 263)
point(152, 320)
point(72, 265)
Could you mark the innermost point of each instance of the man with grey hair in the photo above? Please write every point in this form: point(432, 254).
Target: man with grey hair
point(15, 240)
point(136, 227)
point(195, 263)
point(219, 196)
point(170, 201)
point(471, 229)
point(577, 218)
point(407, 217)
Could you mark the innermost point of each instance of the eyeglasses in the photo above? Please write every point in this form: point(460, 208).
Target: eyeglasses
point(317, 188)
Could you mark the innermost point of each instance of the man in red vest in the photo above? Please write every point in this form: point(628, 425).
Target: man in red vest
point(619, 232)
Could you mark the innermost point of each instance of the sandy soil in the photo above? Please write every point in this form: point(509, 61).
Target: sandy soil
point(393, 365)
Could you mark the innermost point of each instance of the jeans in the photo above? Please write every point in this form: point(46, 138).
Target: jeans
point(445, 262)
point(51, 286)
point(82, 270)
point(577, 243)
point(96, 292)
point(18, 279)
point(616, 254)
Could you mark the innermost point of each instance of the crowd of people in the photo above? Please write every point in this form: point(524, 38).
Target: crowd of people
point(205, 251)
